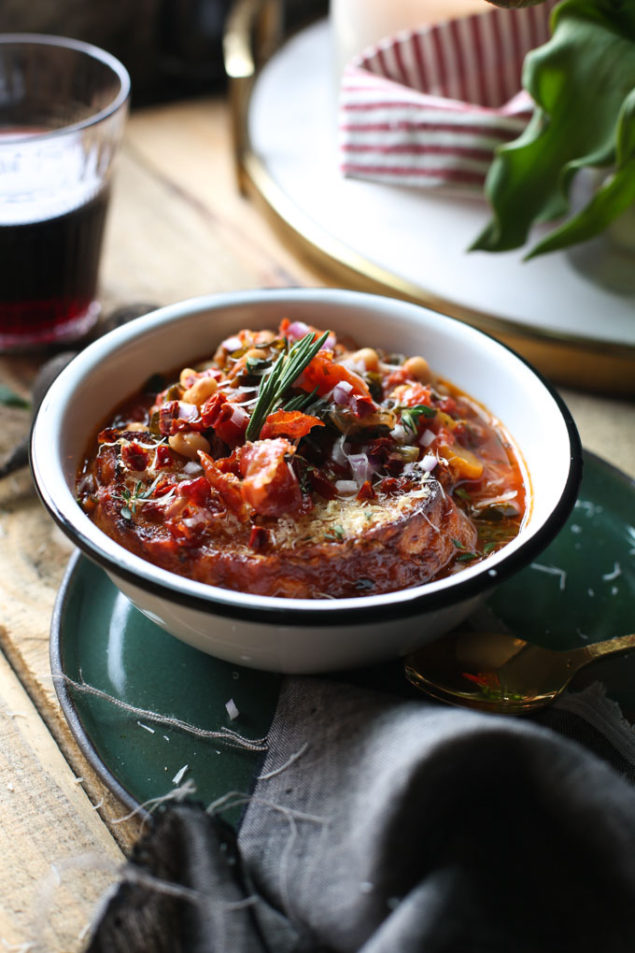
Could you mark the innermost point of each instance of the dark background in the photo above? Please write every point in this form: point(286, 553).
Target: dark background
point(172, 48)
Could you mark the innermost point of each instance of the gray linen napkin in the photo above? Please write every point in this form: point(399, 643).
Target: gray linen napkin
point(379, 824)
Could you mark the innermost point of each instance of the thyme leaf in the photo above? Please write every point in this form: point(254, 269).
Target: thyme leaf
point(410, 415)
point(335, 534)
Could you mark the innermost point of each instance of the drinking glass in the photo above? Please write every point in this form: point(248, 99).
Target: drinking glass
point(63, 105)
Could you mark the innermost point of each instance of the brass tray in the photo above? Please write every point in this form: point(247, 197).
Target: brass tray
point(256, 35)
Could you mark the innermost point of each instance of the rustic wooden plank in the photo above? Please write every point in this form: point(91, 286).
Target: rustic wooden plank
point(178, 225)
point(57, 856)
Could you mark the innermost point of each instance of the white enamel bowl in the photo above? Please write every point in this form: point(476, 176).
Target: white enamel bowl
point(299, 635)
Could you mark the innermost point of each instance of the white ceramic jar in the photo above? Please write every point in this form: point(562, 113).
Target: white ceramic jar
point(357, 24)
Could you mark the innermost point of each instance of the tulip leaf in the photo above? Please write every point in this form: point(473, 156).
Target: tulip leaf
point(583, 84)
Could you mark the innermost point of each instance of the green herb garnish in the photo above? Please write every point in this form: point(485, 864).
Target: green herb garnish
point(337, 533)
point(300, 401)
point(138, 495)
point(410, 415)
point(283, 373)
point(364, 585)
point(9, 399)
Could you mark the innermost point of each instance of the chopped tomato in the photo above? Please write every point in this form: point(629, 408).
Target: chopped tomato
point(269, 484)
point(178, 415)
point(195, 490)
point(258, 538)
point(321, 484)
point(289, 423)
point(323, 375)
point(389, 485)
point(228, 420)
point(412, 394)
point(448, 405)
point(380, 449)
point(134, 456)
point(230, 464)
point(366, 491)
point(226, 485)
point(108, 435)
point(164, 456)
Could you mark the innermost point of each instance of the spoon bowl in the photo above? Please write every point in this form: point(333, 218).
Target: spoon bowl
point(497, 672)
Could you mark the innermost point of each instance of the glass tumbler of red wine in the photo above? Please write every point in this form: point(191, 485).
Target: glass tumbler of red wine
point(63, 105)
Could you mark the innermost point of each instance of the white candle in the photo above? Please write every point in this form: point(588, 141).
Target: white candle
point(357, 24)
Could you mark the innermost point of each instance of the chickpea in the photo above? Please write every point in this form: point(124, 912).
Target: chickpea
point(201, 389)
point(368, 357)
point(418, 368)
point(188, 444)
point(264, 337)
point(186, 376)
point(255, 354)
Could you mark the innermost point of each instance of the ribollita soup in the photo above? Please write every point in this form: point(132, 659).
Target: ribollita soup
point(292, 464)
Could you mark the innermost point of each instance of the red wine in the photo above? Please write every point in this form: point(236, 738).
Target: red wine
point(48, 274)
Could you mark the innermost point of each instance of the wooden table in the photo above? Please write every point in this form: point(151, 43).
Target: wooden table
point(178, 227)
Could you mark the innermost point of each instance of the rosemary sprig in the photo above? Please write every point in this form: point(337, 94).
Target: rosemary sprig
point(287, 368)
point(300, 401)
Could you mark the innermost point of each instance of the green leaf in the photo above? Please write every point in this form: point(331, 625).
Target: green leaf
point(9, 399)
point(582, 82)
point(410, 415)
point(614, 197)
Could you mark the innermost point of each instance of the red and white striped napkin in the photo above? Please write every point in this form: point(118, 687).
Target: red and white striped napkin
point(427, 107)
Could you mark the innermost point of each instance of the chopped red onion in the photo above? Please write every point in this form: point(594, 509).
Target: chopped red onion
point(239, 416)
point(232, 344)
point(341, 393)
point(338, 454)
point(346, 487)
point(187, 411)
point(360, 467)
point(298, 329)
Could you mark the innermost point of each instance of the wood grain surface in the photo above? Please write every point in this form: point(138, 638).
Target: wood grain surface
point(178, 227)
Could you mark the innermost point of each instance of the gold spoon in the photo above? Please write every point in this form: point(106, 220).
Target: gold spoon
point(500, 673)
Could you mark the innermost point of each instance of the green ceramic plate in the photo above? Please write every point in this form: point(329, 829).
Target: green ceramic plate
point(581, 589)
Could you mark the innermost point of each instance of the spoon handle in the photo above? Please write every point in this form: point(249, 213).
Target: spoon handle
point(610, 647)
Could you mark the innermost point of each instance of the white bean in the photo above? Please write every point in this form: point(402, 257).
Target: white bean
point(201, 389)
point(188, 444)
